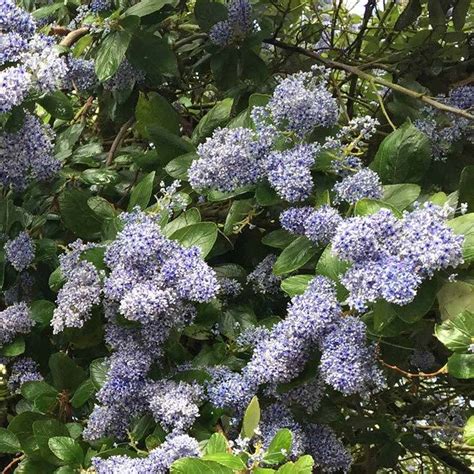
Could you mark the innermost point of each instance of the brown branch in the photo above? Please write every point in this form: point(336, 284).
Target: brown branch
point(411, 375)
point(118, 141)
point(368, 77)
point(74, 36)
point(9, 466)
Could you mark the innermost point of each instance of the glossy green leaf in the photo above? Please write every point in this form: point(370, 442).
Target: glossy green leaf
point(298, 253)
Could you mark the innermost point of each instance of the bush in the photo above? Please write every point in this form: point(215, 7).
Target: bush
point(237, 237)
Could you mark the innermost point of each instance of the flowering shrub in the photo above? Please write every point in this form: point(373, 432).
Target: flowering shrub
point(237, 237)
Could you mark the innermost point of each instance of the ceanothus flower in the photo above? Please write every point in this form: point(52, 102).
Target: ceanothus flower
point(15, 19)
point(293, 219)
point(237, 26)
point(14, 320)
point(302, 102)
point(11, 45)
point(363, 184)
point(228, 160)
point(15, 83)
point(32, 147)
point(158, 461)
point(174, 404)
point(20, 251)
point(277, 417)
point(23, 370)
point(125, 77)
point(262, 278)
point(347, 363)
point(97, 6)
point(80, 293)
point(326, 449)
point(289, 171)
point(391, 257)
point(80, 75)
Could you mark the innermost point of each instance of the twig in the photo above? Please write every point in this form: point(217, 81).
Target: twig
point(368, 77)
point(382, 106)
point(189, 39)
point(84, 109)
point(411, 375)
point(74, 36)
point(9, 466)
point(118, 141)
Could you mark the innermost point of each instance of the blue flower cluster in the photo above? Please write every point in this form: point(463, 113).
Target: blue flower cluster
point(23, 370)
point(444, 130)
point(363, 184)
point(391, 257)
point(262, 279)
point(152, 281)
point(20, 251)
point(237, 26)
point(301, 102)
point(228, 160)
point(32, 147)
point(81, 291)
point(34, 64)
point(125, 77)
point(97, 6)
point(319, 225)
point(237, 157)
point(80, 75)
point(157, 462)
point(14, 320)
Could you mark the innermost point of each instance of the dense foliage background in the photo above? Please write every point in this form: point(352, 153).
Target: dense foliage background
point(236, 237)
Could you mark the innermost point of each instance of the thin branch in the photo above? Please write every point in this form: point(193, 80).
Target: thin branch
point(411, 375)
point(10, 466)
point(118, 141)
point(74, 36)
point(368, 77)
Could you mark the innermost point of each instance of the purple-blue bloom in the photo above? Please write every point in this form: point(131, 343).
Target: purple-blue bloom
point(14, 320)
point(23, 370)
point(363, 184)
point(20, 251)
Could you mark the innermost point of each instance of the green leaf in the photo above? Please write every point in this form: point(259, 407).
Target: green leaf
point(202, 235)
point(98, 371)
point(22, 426)
point(111, 54)
point(331, 266)
point(14, 348)
point(66, 449)
point(400, 195)
point(218, 116)
point(225, 459)
point(142, 427)
point(168, 144)
point(468, 433)
point(225, 68)
point(178, 167)
point(461, 366)
point(77, 216)
point(466, 187)
point(65, 372)
point(198, 466)
point(409, 15)
point(99, 177)
point(279, 448)
point(423, 302)
point(153, 55)
point(217, 444)
point(296, 285)
point(152, 108)
point(237, 213)
point(299, 252)
point(32, 390)
point(403, 156)
point(44, 430)
point(251, 419)
point(83, 393)
point(142, 192)
point(208, 13)
point(454, 298)
point(9, 442)
point(460, 13)
point(147, 7)
point(41, 311)
point(278, 239)
point(457, 334)
point(266, 195)
point(437, 14)
point(56, 280)
point(191, 216)
point(366, 207)
point(464, 225)
point(58, 105)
